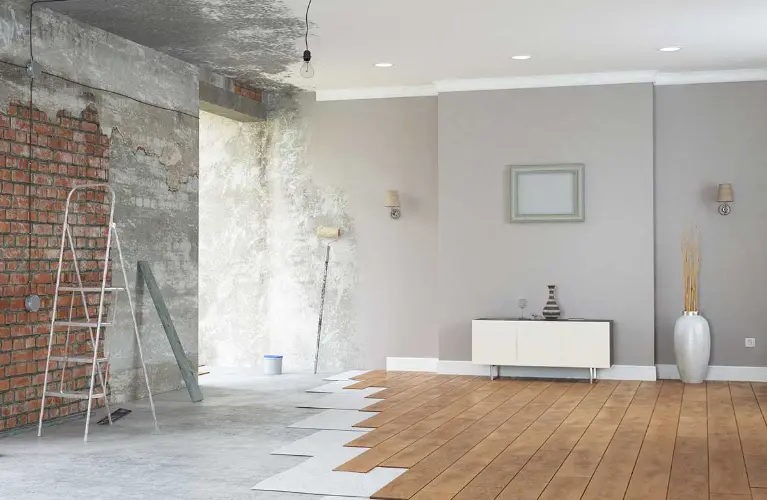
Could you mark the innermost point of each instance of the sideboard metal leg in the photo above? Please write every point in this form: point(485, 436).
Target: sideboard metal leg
point(591, 375)
point(491, 372)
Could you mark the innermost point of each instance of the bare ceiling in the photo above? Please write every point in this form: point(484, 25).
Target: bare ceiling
point(253, 40)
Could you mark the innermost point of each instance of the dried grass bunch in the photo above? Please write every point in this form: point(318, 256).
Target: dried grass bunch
point(691, 268)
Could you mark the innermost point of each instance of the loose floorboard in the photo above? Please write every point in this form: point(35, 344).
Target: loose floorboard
point(467, 438)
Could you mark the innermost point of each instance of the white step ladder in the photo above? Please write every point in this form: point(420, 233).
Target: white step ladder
point(93, 324)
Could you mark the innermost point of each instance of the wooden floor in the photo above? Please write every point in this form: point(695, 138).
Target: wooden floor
point(472, 439)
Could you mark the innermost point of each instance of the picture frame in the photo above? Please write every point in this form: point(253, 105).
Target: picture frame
point(547, 193)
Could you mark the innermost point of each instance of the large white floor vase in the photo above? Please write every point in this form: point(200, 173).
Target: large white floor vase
point(692, 346)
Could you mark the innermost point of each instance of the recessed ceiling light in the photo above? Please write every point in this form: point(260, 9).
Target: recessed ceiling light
point(521, 58)
point(383, 65)
point(670, 49)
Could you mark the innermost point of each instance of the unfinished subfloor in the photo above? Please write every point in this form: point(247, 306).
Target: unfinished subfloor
point(213, 450)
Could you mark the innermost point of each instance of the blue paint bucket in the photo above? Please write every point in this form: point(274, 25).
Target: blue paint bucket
point(272, 364)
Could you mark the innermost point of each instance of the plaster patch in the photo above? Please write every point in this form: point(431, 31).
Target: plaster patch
point(262, 264)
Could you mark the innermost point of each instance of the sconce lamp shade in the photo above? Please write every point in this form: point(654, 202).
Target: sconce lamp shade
point(392, 198)
point(724, 194)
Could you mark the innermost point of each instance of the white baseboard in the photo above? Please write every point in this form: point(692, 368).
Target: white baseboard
point(616, 372)
point(723, 373)
point(448, 367)
point(412, 364)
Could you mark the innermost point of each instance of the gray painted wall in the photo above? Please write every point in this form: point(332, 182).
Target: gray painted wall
point(363, 148)
point(603, 267)
point(706, 135)
point(153, 165)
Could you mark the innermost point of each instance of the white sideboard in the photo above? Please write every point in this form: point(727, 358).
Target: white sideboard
point(562, 344)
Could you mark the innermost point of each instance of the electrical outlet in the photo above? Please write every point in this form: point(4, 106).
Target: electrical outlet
point(750, 342)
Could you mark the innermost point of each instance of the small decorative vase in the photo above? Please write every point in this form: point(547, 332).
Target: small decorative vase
point(551, 309)
point(692, 347)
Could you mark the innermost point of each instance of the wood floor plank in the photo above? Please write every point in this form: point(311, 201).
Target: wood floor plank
point(503, 470)
point(574, 475)
point(487, 410)
point(585, 457)
point(759, 493)
point(407, 485)
point(446, 406)
point(649, 480)
point(613, 473)
point(535, 424)
point(727, 496)
point(370, 374)
point(727, 470)
point(689, 467)
point(379, 454)
point(405, 392)
point(752, 431)
point(397, 411)
point(539, 452)
point(389, 379)
point(409, 386)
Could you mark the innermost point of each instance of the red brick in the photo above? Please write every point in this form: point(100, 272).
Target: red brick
point(68, 149)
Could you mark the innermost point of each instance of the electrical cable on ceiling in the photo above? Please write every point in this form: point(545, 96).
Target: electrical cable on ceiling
point(307, 70)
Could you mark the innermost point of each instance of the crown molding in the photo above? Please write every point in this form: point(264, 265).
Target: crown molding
point(545, 81)
point(726, 76)
point(375, 93)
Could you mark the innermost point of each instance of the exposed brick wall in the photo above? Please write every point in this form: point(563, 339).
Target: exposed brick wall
point(246, 90)
point(65, 150)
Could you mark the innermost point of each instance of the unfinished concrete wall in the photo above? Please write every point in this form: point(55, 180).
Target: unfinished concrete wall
point(147, 104)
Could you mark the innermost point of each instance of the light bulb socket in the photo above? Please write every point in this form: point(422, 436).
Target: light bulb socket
point(307, 55)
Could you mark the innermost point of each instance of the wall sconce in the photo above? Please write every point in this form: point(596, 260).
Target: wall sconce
point(724, 197)
point(392, 202)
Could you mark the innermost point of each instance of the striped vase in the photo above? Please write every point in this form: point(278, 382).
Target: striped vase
point(551, 309)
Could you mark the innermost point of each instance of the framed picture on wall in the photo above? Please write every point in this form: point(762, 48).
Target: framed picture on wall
point(547, 193)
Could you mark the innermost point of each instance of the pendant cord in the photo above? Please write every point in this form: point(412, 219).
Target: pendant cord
point(306, 36)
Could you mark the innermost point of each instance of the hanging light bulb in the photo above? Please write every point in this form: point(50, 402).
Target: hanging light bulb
point(307, 69)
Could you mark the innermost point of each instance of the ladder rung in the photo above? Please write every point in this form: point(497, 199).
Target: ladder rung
point(78, 359)
point(90, 289)
point(80, 324)
point(73, 395)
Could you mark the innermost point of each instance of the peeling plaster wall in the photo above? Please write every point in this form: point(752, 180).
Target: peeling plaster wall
point(265, 187)
point(261, 263)
point(153, 164)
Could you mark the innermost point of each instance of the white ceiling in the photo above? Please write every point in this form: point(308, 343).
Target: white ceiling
point(435, 40)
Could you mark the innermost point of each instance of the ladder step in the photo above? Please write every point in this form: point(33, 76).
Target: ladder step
point(74, 395)
point(90, 289)
point(81, 324)
point(78, 359)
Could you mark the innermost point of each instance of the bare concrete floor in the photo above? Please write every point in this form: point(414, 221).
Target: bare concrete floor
point(214, 450)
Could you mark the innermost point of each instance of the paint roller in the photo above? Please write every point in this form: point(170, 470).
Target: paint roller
point(333, 234)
